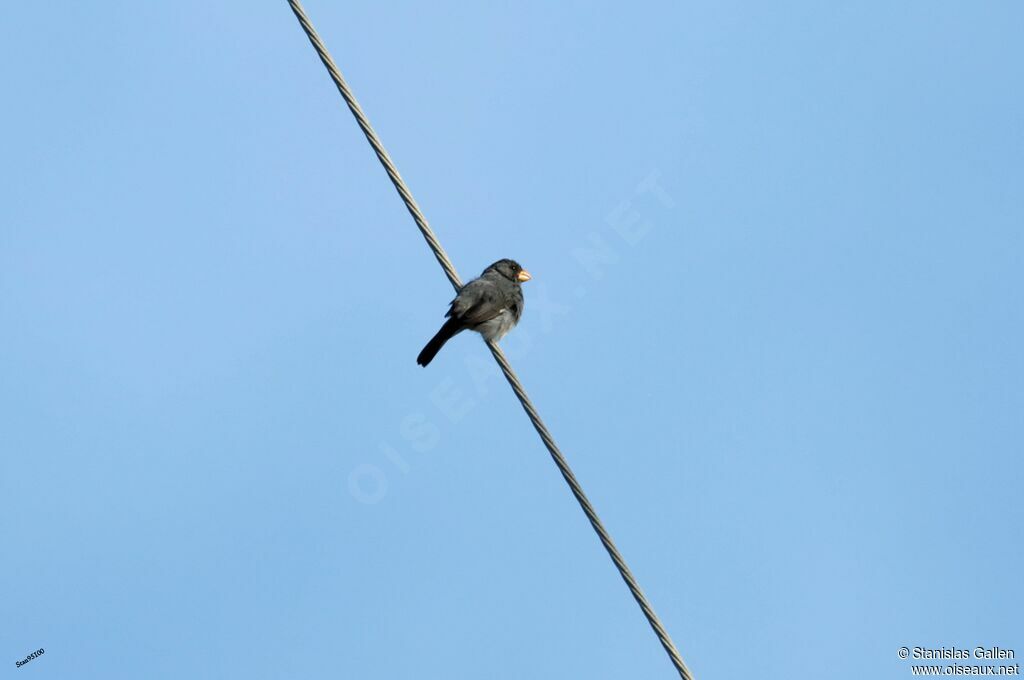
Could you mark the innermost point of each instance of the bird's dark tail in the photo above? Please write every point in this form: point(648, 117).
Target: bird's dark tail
point(447, 332)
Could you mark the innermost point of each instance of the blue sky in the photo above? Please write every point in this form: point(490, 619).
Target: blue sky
point(775, 324)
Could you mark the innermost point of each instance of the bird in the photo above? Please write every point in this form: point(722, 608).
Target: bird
point(490, 304)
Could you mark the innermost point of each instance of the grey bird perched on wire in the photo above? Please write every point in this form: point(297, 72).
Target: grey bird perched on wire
point(490, 305)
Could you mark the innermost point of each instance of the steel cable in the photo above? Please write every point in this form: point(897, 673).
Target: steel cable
point(499, 356)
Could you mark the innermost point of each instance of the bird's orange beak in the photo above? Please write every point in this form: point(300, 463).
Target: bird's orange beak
point(524, 275)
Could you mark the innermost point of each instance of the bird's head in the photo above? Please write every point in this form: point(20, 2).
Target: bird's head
point(510, 269)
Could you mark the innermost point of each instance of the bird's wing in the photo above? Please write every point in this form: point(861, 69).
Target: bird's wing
point(478, 301)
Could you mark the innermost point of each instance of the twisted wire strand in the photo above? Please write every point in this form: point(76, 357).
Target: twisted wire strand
point(378, 148)
point(588, 510)
point(499, 355)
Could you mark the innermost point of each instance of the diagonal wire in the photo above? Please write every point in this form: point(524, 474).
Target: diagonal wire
point(499, 356)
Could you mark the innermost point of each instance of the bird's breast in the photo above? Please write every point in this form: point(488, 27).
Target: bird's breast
point(496, 327)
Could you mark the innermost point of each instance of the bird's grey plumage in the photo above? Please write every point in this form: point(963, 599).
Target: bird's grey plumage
point(491, 305)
